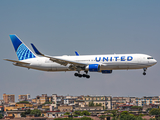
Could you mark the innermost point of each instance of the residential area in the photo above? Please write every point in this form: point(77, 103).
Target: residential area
point(55, 106)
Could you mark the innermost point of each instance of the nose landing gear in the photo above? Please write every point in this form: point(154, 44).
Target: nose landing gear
point(144, 73)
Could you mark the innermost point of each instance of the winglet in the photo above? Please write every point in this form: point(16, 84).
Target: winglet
point(36, 50)
point(77, 54)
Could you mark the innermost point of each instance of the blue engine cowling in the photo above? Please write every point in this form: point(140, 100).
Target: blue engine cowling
point(93, 68)
point(106, 71)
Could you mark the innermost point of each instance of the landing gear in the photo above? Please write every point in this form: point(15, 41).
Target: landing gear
point(144, 73)
point(77, 75)
point(82, 75)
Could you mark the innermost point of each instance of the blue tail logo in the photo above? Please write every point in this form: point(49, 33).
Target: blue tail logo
point(22, 51)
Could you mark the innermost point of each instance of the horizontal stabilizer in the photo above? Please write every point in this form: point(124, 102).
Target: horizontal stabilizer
point(16, 61)
point(36, 50)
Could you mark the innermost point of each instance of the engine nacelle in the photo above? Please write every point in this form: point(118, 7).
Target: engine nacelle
point(93, 68)
point(106, 71)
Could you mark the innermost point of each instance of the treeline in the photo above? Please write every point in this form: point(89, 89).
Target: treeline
point(83, 118)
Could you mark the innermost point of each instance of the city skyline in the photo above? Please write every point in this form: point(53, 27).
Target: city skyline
point(89, 27)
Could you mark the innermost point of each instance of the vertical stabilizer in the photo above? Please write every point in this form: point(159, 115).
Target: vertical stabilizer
point(22, 51)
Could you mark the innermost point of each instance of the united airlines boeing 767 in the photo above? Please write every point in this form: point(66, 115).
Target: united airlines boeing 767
point(104, 64)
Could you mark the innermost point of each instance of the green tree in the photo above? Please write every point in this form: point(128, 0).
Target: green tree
point(85, 112)
point(67, 113)
point(79, 113)
point(23, 114)
point(140, 118)
point(125, 113)
point(114, 113)
point(127, 117)
point(1, 116)
point(102, 117)
point(85, 118)
point(152, 119)
point(28, 111)
point(154, 111)
point(114, 118)
point(137, 107)
point(148, 109)
point(91, 104)
point(36, 112)
point(22, 102)
point(47, 103)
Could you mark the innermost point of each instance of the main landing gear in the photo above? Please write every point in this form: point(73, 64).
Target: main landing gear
point(82, 75)
point(144, 73)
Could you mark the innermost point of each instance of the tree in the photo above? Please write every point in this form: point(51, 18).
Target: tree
point(91, 104)
point(102, 117)
point(85, 112)
point(1, 116)
point(137, 107)
point(36, 112)
point(127, 117)
point(148, 109)
point(47, 103)
point(125, 113)
point(155, 112)
point(28, 111)
point(114, 113)
point(79, 113)
point(23, 114)
point(67, 113)
point(23, 102)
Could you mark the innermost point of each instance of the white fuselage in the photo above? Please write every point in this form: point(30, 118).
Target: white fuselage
point(107, 62)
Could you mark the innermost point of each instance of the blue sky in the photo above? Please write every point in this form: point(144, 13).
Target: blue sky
point(90, 27)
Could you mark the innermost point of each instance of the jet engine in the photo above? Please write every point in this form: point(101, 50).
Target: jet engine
point(93, 68)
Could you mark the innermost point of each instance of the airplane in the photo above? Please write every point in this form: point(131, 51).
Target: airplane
point(104, 64)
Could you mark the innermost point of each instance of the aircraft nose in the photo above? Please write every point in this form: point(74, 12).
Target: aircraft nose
point(155, 61)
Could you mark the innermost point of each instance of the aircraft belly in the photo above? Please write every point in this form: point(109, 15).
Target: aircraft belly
point(57, 67)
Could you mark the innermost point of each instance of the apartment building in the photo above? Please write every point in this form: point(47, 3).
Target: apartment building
point(104, 101)
point(24, 97)
point(148, 100)
point(8, 98)
point(143, 101)
point(118, 101)
point(1, 102)
point(65, 108)
point(60, 100)
point(42, 99)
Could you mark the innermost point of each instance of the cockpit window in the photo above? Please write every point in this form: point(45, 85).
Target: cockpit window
point(149, 57)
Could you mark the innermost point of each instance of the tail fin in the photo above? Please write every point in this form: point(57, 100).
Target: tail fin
point(22, 51)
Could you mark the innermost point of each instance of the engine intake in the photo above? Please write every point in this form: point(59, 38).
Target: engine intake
point(93, 68)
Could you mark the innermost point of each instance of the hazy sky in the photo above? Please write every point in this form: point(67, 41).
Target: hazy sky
point(59, 27)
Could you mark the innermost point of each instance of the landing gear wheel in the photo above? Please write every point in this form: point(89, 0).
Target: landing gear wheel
point(144, 73)
point(76, 74)
point(84, 75)
point(87, 76)
point(79, 75)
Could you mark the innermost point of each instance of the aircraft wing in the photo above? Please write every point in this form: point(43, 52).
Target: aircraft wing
point(59, 60)
point(16, 61)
